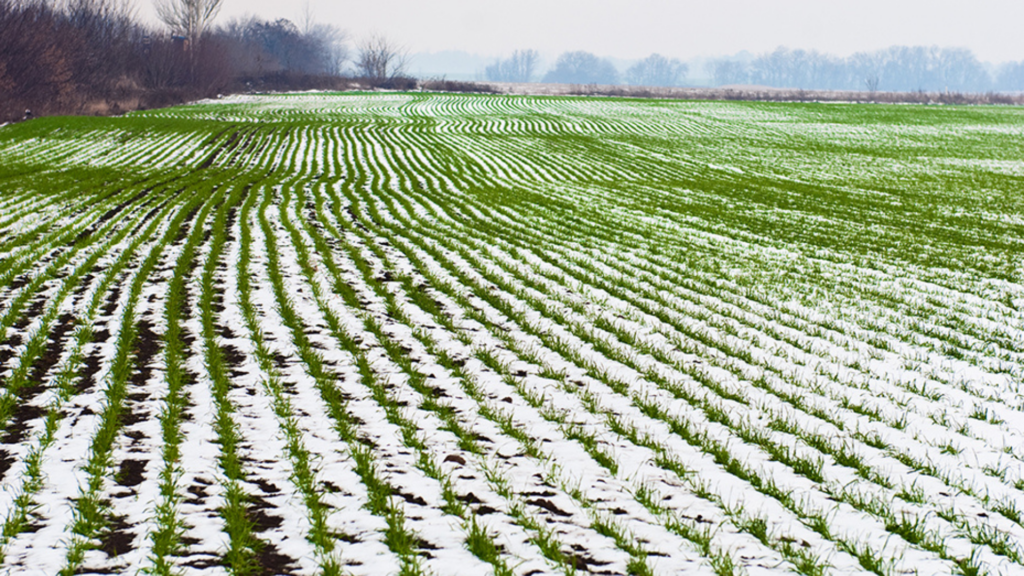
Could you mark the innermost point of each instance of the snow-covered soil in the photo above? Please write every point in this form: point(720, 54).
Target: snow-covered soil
point(440, 334)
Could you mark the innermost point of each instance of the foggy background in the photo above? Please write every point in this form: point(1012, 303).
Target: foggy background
point(109, 56)
point(459, 39)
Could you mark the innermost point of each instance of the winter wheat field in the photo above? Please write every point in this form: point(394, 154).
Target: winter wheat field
point(466, 335)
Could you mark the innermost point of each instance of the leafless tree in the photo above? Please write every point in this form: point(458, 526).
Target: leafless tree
point(333, 47)
point(520, 67)
point(380, 58)
point(657, 70)
point(725, 72)
point(307, 18)
point(329, 39)
point(582, 68)
point(189, 18)
point(1011, 77)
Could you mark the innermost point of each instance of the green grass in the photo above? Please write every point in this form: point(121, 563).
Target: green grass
point(802, 319)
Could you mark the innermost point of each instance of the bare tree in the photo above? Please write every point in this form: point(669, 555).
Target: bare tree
point(656, 70)
point(582, 68)
point(520, 67)
point(307, 18)
point(725, 71)
point(1011, 77)
point(189, 18)
point(333, 48)
point(380, 58)
point(328, 38)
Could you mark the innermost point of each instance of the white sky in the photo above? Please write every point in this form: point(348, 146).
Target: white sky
point(683, 29)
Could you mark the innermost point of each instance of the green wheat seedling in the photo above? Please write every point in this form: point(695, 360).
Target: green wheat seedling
point(688, 287)
point(529, 445)
point(538, 401)
point(167, 538)
point(64, 385)
point(812, 469)
point(91, 511)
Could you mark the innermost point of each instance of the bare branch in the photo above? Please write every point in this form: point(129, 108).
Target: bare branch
point(380, 58)
point(188, 18)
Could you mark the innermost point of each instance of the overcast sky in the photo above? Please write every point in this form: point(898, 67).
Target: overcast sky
point(683, 29)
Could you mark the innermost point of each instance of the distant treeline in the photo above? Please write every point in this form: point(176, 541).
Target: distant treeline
point(580, 67)
point(896, 69)
point(92, 56)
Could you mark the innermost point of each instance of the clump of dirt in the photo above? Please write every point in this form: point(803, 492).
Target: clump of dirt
point(549, 506)
point(266, 486)
point(54, 346)
point(261, 520)
point(34, 310)
point(273, 563)
point(111, 302)
point(410, 498)
point(147, 346)
point(118, 539)
point(581, 561)
point(87, 374)
point(130, 473)
point(6, 461)
point(23, 414)
point(232, 357)
point(198, 492)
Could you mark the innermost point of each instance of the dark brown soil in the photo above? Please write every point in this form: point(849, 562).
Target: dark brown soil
point(83, 284)
point(266, 486)
point(115, 210)
point(147, 346)
point(232, 357)
point(23, 414)
point(87, 374)
point(410, 498)
point(54, 346)
point(273, 563)
point(25, 411)
point(470, 498)
point(111, 302)
point(33, 312)
point(117, 540)
point(261, 519)
point(219, 150)
point(198, 493)
point(131, 473)
point(184, 230)
point(6, 355)
point(6, 460)
point(549, 506)
point(582, 562)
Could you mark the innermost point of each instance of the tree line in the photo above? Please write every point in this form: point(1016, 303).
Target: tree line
point(896, 69)
point(579, 67)
point(94, 56)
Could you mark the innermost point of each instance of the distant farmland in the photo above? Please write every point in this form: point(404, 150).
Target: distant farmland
point(438, 334)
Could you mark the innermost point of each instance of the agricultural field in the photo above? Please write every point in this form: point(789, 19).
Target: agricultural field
point(374, 334)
